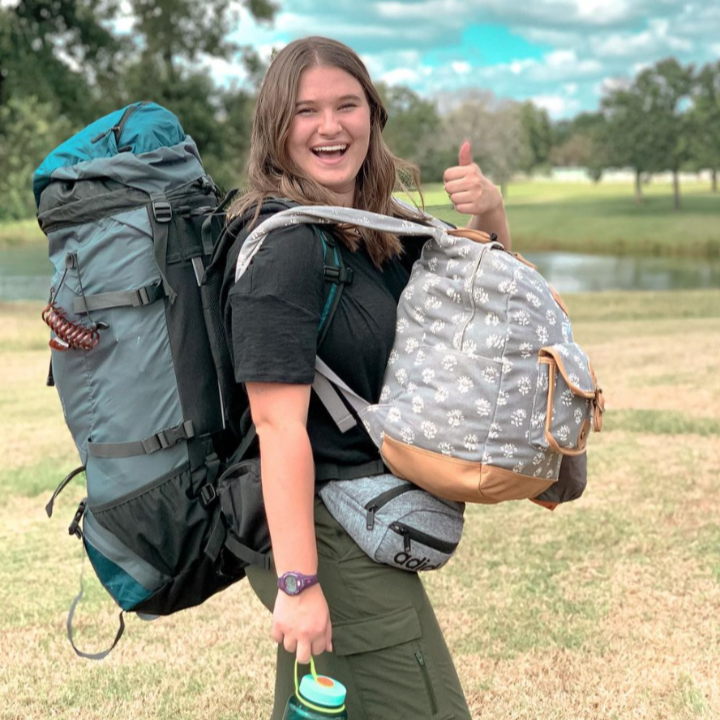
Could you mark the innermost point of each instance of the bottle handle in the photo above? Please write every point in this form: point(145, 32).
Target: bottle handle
point(312, 670)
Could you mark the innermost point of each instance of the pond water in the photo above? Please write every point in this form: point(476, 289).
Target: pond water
point(577, 272)
point(25, 272)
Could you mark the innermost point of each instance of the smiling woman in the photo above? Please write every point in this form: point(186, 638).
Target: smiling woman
point(330, 133)
point(317, 140)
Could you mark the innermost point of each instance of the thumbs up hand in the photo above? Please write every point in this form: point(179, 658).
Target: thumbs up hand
point(469, 190)
point(472, 193)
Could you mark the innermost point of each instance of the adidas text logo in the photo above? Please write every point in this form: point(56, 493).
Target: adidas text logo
point(406, 560)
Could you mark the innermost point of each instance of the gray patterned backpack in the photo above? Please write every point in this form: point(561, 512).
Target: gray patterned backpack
point(486, 390)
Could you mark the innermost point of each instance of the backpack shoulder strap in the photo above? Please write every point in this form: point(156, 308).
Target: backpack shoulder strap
point(337, 276)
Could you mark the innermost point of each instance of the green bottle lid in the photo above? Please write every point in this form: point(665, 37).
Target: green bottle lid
point(320, 692)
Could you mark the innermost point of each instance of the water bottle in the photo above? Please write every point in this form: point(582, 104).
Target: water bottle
point(317, 697)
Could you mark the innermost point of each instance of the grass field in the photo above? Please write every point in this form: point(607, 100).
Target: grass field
point(543, 215)
point(603, 218)
point(606, 609)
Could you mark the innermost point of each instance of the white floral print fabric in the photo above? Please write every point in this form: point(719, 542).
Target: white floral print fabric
point(478, 334)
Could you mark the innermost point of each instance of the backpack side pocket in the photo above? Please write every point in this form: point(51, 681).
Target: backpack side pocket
point(568, 401)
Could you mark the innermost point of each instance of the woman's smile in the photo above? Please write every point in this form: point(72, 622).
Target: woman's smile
point(330, 132)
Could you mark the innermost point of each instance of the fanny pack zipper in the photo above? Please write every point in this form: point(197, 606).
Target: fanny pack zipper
point(409, 533)
point(383, 499)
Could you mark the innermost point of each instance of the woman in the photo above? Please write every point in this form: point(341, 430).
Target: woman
point(317, 140)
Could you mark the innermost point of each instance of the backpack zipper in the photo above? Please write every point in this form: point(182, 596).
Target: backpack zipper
point(383, 499)
point(409, 533)
point(124, 120)
point(117, 129)
point(428, 683)
point(472, 296)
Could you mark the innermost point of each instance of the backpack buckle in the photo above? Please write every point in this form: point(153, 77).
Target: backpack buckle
point(162, 211)
point(207, 495)
point(336, 275)
point(74, 528)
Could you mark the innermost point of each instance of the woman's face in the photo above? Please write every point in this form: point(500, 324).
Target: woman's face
point(330, 132)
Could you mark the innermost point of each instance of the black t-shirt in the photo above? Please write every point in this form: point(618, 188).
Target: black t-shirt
point(273, 312)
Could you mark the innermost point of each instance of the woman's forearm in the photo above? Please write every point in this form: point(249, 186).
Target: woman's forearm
point(494, 221)
point(288, 479)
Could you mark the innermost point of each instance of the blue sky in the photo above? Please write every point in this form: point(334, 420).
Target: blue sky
point(561, 54)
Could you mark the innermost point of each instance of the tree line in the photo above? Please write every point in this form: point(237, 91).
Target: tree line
point(64, 63)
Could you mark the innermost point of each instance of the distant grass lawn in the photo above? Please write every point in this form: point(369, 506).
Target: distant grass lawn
point(578, 217)
point(606, 609)
point(19, 232)
point(603, 218)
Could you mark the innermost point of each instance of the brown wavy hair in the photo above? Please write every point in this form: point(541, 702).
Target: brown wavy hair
point(272, 173)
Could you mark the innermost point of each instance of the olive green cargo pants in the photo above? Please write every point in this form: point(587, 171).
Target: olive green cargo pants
point(388, 649)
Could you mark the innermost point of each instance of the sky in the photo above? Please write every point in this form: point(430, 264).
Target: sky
point(561, 54)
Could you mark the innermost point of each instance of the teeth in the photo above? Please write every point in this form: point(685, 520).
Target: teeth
point(329, 148)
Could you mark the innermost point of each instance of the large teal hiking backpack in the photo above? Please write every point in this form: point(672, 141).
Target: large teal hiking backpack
point(137, 237)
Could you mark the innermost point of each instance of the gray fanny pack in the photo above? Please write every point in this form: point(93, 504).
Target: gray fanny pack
point(396, 522)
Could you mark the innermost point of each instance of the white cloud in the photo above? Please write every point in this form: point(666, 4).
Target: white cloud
point(640, 66)
point(556, 105)
point(225, 72)
point(517, 66)
point(560, 58)
point(461, 67)
point(610, 10)
point(447, 11)
point(400, 76)
point(657, 39)
point(611, 84)
point(588, 44)
point(124, 23)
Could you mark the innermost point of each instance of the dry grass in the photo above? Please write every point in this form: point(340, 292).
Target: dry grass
point(606, 609)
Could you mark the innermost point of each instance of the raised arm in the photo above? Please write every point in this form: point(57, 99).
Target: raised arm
point(473, 194)
point(279, 411)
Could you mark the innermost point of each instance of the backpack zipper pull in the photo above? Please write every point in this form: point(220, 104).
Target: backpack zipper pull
point(371, 517)
point(99, 137)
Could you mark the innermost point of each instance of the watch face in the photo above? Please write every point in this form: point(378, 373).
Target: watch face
point(291, 584)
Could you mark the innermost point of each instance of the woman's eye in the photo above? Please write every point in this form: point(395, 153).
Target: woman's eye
point(304, 111)
point(348, 106)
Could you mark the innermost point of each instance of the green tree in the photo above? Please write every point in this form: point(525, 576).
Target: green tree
point(170, 37)
point(412, 126)
point(537, 127)
point(30, 126)
point(628, 133)
point(582, 144)
point(177, 32)
point(56, 50)
point(704, 120)
point(65, 59)
point(665, 90)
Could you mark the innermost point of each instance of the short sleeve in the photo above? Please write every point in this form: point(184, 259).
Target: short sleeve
point(275, 309)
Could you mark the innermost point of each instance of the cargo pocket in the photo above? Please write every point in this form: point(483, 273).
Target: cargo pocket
point(392, 670)
point(568, 402)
